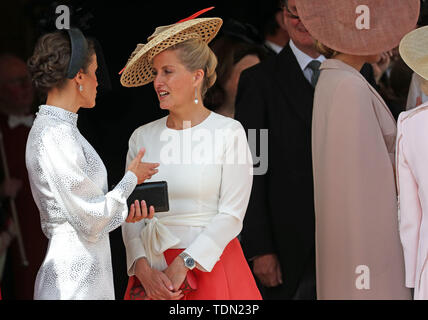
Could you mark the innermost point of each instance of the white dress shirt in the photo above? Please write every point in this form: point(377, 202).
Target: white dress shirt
point(276, 48)
point(208, 193)
point(303, 59)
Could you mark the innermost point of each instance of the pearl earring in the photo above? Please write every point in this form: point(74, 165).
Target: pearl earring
point(80, 88)
point(196, 96)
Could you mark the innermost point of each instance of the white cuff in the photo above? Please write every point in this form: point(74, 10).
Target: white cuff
point(204, 251)
point(134, 251)
point(127, 184)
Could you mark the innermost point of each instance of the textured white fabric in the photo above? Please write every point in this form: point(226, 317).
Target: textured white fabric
point(69, 185)
point(209, 186)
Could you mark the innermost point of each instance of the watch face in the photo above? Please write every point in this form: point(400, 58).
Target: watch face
point(190, 262)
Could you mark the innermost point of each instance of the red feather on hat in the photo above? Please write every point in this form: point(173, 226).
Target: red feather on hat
point(197, 14)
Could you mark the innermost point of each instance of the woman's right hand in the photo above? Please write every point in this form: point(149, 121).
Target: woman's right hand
point(143, 170)
point(268, 270)
point(138, 212)
point(156, 284)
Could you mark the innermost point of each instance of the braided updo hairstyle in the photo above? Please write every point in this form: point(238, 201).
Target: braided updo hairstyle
point(195, 54)
point(49, 63)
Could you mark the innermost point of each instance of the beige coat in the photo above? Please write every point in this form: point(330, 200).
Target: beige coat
point(358, 250)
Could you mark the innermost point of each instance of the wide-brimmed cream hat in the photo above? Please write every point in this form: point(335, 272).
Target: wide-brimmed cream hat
point(414, 51)
point(359, 27)
point(139, 70)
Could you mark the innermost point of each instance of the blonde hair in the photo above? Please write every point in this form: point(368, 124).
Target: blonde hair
point(195, 54)
point(325, 51)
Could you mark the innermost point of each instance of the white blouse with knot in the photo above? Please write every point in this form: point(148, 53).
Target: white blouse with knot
point(208, 168)
point(69, 185)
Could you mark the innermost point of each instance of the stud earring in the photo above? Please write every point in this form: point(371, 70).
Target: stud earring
point(80, 88)
point(196, 96)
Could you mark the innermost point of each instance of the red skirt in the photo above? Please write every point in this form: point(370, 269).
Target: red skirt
point(230, 279)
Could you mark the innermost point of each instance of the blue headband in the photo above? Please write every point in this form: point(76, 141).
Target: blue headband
point(79, 49)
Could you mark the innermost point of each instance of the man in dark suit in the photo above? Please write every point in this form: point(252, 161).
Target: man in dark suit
point(279, 229)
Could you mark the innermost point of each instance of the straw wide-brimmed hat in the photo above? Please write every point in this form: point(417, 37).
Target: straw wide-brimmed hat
point(139, 71)
point(359, 27)
point(414, 51)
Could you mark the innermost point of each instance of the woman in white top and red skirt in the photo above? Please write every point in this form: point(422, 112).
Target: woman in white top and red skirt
point(192, 250)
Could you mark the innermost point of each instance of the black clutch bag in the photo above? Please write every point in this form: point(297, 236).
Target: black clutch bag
point(154, 193)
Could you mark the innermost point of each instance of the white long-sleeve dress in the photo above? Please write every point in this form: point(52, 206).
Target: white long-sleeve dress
point(69, 184)
point(208, 169)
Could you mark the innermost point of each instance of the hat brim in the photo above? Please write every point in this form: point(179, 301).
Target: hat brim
point(414, 51)
point(138, 70)
point(337, 23)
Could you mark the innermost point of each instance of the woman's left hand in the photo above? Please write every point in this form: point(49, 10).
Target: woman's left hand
point(176, 272)
point(137, 212)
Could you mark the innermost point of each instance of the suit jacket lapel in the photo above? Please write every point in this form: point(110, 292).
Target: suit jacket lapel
point(296, 90)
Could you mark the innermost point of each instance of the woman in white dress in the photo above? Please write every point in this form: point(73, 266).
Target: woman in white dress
point(69, 180)
point(205, 159)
